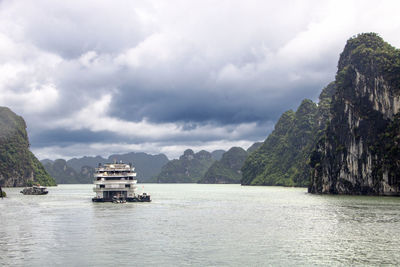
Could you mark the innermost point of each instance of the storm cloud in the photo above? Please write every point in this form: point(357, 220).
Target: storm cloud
point(103, 77)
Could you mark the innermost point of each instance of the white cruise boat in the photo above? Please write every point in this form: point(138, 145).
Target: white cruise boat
point(116, 182)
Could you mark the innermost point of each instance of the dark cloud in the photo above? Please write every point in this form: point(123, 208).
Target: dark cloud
point(222, 106)
point(64, 137)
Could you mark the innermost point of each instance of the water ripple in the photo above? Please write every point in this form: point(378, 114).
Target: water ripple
point(199, 225)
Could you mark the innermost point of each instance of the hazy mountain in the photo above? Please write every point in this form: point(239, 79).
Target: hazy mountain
point(147, 166)
point(78, 163)
point(227, 170)
point(217, 154)
point(80, 170)
point(64, 174)
point(189, 168)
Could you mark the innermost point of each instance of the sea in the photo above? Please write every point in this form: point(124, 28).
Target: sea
point(199, 225)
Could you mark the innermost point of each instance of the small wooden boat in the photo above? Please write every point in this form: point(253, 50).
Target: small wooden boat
point(35, 190)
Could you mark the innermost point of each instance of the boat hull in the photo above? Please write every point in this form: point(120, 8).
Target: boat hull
point(34, 191)
point(36, 194)
point(128, 199)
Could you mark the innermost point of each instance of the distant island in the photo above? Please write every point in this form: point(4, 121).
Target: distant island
point(80, 170)
point(189, 168)
point(227, 170)
point(218, 166)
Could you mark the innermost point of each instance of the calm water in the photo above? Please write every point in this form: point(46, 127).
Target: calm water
point(199, 225)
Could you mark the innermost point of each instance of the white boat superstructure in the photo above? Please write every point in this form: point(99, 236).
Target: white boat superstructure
point(114, 180)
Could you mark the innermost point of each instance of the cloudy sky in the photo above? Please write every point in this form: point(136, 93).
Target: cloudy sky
point(102, 77)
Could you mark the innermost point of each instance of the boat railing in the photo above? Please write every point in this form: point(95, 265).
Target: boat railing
point(102, 169)
point(115, 181)
point(115, 186)
point(111, 174)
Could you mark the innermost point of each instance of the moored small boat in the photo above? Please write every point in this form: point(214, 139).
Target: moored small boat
point(35, 190)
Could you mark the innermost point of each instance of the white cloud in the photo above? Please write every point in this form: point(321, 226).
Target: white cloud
point(88, 59)
point(26, 82)
point(155, 49)
point(38, 99)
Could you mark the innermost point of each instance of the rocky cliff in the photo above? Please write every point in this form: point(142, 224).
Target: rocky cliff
point(359, 153)
point(227, 170)
point(18, 166)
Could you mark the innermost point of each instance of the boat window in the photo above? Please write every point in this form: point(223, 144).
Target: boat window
point(102, 186)
point(127, 186)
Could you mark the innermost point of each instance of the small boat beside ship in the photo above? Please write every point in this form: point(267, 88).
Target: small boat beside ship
point(116, 182)
point(35, 190)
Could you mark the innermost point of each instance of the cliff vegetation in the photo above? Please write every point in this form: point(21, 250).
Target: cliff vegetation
point(282, 157)
point(18, 165)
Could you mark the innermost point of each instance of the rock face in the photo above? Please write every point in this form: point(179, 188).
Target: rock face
point(18, 166)
point(359, 153)
point(228, 169)
point(189, 168)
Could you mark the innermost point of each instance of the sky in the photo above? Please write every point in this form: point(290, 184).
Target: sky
point(102, 77)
